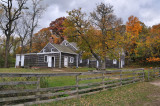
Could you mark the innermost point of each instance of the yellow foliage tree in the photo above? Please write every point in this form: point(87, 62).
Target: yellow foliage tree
point(131, 39)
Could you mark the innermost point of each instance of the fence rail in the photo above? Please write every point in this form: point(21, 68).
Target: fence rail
point(85, 83)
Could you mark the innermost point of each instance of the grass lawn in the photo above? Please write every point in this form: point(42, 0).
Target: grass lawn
point(47, 70)
point(136, 94)
point(43, 70)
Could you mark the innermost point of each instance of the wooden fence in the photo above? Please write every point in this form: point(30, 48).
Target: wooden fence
point(153, 73)
point(28, 89)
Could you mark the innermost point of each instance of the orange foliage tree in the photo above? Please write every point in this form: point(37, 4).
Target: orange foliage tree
point(131, 39)
point(57, 28)
point(153, 44)
point(99, 40)
point(40, 39)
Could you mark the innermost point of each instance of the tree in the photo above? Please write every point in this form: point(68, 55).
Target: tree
point(98, 40)
point(22, 30)
point(40, 39)
point(153, 43)
point(57, 27)
point(8, 21)
point(76, 31)
point(104, 19)
point(133, 29)
point(34, 15)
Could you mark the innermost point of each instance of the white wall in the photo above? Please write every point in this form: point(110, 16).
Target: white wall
point(18, 60)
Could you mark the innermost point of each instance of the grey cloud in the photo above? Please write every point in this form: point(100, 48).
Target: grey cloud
point(146, 10)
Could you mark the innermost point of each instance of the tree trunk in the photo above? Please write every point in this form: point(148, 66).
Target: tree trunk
point(6, 52)
point(30, 48)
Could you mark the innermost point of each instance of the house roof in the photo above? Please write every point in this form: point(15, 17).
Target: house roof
point(74, 44)
point(63, 49)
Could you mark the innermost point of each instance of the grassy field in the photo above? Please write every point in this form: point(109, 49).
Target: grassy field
point(142, 93)
point(43, 70)
point(49, 70)
point(136, 94)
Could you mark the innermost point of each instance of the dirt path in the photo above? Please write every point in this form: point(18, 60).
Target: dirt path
point(155, 98)
point(156, 83)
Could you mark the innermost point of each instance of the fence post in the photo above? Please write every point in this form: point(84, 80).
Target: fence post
point(159, 73)
point(121, 78)
point(77, 84)
point(134, 77)
point(38, 87)
point(143, 75)
point(103, 77)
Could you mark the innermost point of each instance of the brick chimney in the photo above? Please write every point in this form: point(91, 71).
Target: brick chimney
point(51, 39)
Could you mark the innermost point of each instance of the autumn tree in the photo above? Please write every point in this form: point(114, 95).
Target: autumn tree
point(57, 28)
point(40, 39)
point(99, 39)
point(142, 49)
point(133, 29)
point(153, 44)
point(8, 21)
point(104, 19)
point(79, 30)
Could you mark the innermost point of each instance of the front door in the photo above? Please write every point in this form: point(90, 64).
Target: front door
point(53, 62)
point(49, 61)
point(65, 61)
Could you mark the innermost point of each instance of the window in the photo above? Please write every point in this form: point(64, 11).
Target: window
point(45, 58)
point(71, 59)
point(114, 61)
point(66, 44)
point(52, 50)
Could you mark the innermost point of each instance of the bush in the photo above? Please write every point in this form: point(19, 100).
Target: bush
point(44, 82)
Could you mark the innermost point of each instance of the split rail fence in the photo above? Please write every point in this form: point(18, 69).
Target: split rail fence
point(28, 89)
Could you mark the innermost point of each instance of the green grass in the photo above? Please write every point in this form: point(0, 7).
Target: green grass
point(44, 70)
point(136, 94)
point(48, 70)
point(133, 94)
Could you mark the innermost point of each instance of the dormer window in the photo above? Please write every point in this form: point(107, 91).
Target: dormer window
point(66, 43)
point(52, 50)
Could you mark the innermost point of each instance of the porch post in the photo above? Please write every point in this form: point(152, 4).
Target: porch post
point(60, 59)
point(77, 60)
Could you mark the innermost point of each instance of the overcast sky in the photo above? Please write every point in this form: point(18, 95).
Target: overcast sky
point(148, 11)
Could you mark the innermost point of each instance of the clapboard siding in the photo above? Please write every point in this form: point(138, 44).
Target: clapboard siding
point(30, 60)
point(41, 62)
point(69, 56)
point(48, 48)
